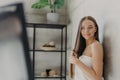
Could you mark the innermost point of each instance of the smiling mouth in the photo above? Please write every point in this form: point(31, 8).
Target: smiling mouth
point(86, 34)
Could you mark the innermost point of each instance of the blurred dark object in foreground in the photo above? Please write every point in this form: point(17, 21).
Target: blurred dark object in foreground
point(14, 55)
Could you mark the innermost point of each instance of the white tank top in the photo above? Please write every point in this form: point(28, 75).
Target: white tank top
point(79, 75)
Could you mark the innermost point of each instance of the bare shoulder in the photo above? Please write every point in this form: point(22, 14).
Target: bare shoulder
point(96, 47)
point(96, 44)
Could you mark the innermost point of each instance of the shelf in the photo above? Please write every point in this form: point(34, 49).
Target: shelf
point(62, 49)
point(50, 77)
point(52, 26)
point(48, 50)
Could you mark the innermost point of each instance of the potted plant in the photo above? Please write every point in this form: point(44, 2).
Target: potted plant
point(52, 17)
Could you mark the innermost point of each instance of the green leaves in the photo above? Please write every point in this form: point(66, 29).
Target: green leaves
point(43, 3)
point(40, 4)
point(58, 3)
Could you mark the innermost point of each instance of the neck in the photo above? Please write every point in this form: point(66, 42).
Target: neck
point(89, 41)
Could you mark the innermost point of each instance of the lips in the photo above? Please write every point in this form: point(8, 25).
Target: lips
point(86, 34)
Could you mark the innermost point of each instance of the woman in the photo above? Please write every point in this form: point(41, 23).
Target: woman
point(88, 53)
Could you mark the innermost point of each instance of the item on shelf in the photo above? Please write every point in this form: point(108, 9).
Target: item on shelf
point(49, 46)
point(47, 71)
point(53, 73)
point(43, 74)
point(54, 5)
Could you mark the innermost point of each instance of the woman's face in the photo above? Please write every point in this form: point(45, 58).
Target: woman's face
point(88, 29)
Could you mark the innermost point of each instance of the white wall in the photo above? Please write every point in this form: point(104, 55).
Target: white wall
point(106, 12)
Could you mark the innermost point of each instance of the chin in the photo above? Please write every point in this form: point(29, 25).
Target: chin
point(86, 37)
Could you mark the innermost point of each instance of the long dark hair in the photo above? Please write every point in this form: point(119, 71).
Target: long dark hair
point(80, 43)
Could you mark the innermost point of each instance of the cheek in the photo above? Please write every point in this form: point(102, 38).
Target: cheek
point(93, 31)
point(81, 32)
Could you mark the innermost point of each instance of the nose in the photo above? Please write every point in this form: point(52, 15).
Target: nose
point(86, 31)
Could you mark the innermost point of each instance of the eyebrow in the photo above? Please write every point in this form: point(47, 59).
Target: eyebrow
point(90, 25)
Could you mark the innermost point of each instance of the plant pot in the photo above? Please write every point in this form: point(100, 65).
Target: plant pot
point(52, 18)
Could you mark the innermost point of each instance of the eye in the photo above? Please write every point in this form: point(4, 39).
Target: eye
point(82, 28)
point(90, 27)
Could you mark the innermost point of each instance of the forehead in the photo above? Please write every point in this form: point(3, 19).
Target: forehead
point(87, 22)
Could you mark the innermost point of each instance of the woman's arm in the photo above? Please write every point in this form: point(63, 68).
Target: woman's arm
point(94, 73)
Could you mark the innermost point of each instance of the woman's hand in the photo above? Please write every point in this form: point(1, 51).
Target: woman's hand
point(73, 58)
point(74, 53)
